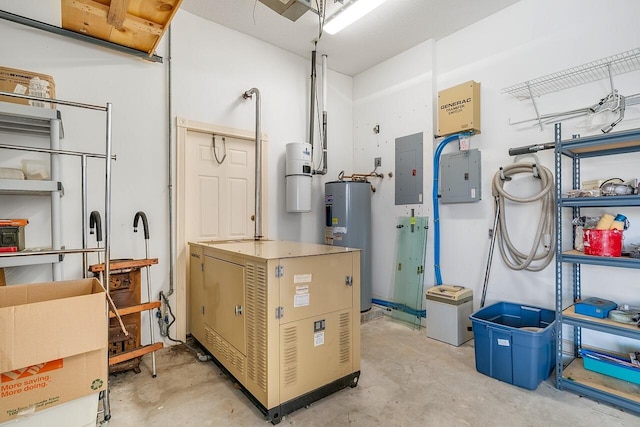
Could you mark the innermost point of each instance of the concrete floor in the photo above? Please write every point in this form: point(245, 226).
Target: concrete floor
point(407, 380)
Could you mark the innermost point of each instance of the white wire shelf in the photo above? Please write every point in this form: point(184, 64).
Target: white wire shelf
point(604, 68)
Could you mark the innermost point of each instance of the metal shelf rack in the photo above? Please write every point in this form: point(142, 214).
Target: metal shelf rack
point(604, 68)
point(46, 122)
point(574, 376)
point(15, 118)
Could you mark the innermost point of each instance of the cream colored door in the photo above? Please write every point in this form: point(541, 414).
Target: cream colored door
point(219, 187)
point(215, 198)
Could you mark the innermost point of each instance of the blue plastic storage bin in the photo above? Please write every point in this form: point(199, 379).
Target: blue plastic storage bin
point(607, 364)
point(515, 343)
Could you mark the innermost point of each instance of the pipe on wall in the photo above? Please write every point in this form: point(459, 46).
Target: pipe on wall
point(323, 162)
point(312, 100)
point(436, 203)
point(258, 171)
point(170, 156)
point(323, 171)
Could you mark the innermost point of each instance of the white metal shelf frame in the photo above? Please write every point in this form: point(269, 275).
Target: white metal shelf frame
point(604, 68)
point(573, 376)
point(55, 127)
point(18, 118)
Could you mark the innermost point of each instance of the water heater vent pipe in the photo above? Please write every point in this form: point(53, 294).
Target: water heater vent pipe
point(324, 116)
point(258, 171)
point(323, 170)
point(312, 101)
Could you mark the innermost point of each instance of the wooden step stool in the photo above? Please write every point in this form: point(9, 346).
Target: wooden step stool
point(125, 352)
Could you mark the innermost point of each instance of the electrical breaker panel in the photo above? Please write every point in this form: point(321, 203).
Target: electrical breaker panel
point(460, 177)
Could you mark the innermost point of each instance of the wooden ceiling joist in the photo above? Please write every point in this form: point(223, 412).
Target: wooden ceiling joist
point(117, 13)
point(138, 24)
point(102, 11)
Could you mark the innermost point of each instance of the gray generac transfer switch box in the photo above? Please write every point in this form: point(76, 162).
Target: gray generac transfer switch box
point(460, 177)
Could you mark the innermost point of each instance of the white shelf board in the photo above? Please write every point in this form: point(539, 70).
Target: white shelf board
point(26, 187)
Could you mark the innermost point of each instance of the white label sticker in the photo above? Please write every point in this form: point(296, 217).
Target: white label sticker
point(301, 300)
point(302, 278)
point(473, 193)
point(340, 230)
point(304, 289)
point(318, 339)
point(503, 342)
point(20, 89)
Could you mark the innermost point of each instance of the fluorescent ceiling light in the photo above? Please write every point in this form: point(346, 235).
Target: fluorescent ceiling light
point(354, 11)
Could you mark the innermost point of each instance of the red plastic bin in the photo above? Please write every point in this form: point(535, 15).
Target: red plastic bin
point(603, 242)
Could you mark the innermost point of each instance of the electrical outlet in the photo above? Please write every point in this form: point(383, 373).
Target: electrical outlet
point(377, 162)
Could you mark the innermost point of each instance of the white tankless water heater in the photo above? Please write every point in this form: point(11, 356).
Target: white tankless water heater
point(298, 177)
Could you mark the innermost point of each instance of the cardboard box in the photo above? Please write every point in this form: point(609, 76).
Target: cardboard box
point(53, 340)
point(459, 109)
point(27, 83)
point(27, 391)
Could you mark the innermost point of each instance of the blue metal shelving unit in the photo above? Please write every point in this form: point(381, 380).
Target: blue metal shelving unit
point(573, 376)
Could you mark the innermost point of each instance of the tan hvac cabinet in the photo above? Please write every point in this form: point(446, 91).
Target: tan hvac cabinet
point(283, 318)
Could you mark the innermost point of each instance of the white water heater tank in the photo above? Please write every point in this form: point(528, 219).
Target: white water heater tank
point(298, 177)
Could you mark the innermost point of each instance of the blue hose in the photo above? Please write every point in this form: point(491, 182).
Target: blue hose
point(436, 210)
point(400, 307)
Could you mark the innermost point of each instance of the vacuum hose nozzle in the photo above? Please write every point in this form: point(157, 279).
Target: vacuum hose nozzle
point(145, 224)
point(95, 223)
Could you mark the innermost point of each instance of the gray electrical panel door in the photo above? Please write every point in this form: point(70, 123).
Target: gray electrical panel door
point(460, 177)
point(409, 170)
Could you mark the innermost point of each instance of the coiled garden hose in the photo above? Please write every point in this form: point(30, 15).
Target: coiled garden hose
point(543, 248)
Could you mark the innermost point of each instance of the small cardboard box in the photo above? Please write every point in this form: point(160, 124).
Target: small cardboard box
point(459, 109)
point(27, 83)
point(53, 339)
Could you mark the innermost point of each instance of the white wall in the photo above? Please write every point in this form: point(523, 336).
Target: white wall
point(211, 67)
point(136, 89)
point(527, 40)
point(396, 95)
point(543, 37)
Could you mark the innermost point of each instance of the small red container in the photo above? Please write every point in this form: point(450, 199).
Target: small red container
point(603, 242)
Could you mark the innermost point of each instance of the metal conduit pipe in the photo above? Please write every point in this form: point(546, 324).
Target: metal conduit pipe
point(313, 97)
point(323, 171)
point(258, 183)
point(172, 237)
